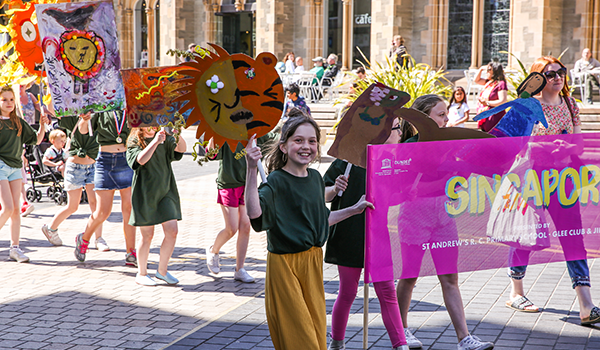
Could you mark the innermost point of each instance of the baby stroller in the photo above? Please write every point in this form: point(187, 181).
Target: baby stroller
point(40, 173)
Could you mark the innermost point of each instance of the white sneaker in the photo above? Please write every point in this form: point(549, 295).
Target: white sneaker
point(17, 255)
point(145, 280)
point(212, 261)
point(51, 236)
point(101, 245)
point(243, 276)
point(471, 342)
point(411, 340)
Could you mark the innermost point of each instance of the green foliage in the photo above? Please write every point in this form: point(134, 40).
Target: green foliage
point(515, 80)
point(416, 79)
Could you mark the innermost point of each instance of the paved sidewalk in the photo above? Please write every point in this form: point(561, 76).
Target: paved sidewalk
point(55, 302)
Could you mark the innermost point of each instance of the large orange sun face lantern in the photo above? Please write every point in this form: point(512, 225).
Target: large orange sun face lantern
point(233, 96)
point(26, 37)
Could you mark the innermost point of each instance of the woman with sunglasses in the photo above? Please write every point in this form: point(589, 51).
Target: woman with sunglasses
point(562, 115)
point(494, 93)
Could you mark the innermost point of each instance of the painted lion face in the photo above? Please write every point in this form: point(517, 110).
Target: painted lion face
point(82, 53)
point(233, 96)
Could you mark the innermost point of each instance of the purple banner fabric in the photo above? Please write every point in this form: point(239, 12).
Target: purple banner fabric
point(466, 205)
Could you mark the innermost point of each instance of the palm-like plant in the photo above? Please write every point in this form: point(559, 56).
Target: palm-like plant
point(416, 79)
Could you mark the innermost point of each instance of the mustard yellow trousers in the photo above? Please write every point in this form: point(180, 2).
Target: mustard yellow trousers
point(295, 300)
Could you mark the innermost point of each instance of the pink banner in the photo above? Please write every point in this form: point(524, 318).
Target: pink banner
point(454, 206)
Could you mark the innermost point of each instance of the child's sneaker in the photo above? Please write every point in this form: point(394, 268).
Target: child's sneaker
point(337, 345)
point(145, 280)
point(243, 276)
point(212, 261)
point(101, 245)
point(81, 247)
point(17, 254)
point(26, 209)
point(471, 342)
point(131, 258)
point(51, 235)
point(411, 340)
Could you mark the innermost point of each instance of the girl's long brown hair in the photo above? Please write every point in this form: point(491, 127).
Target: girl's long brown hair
point(540, 64)
point(136, 137)
point(14, 118)
point(274, 159)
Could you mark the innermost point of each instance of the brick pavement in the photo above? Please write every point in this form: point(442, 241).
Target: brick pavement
point(55, 302)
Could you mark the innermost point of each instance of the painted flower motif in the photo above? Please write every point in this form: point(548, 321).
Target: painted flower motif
point(250, 74)
point(214, 84)
point(378, 94)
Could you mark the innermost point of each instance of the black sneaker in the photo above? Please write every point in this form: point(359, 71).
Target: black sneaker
point(81, 247)
point(131, 258)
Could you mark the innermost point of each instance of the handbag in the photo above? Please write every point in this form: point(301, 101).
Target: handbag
point(512, 220)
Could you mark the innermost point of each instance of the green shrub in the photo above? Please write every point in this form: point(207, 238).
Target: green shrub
point(416, 79)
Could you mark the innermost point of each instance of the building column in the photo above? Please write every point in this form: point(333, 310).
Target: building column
point(477, 40)
point(151, 35)
point(239, 5)
point(593, 32)
point(439, 35)
point(127, 33)
point(315, 33)
point(347, 35)
point(209, 21)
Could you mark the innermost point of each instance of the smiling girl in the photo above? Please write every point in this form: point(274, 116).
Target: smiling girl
point(291, 208)
point(14, 132)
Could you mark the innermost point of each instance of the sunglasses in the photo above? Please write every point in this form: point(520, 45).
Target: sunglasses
point(552, 74)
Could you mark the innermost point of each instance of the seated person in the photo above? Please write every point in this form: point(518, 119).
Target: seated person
point(585, 64)
point(332, 70)
point(55, 156)
point(318, 69)
point(293, 99)
point(299, 65)
point(361, 74)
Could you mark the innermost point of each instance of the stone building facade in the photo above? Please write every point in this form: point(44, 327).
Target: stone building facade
point(454, 34)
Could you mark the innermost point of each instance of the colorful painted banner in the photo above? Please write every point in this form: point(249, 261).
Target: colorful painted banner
point(466, 205)
point(81, 53)
point(150, 94)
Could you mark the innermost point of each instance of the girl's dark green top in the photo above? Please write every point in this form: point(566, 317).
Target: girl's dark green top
point(154, 195)
point(232, 166)
point(346, 243)
point(11, 145)
point(293, 212)
point(81, 145)
point(104, 128)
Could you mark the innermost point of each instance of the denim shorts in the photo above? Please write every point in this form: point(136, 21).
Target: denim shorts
point(9, 173)
point(112, 172)
point(78, 175)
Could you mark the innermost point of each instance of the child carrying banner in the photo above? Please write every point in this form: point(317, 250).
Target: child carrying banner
point(112, 173)
point(346, 249)
point(291, 208)
point(155, 199)
point(79, 176)
point(14, 132)
point(416, 225)
point(231, 180)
